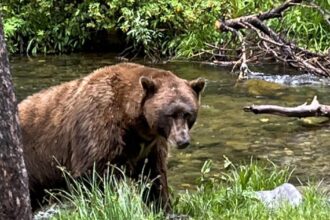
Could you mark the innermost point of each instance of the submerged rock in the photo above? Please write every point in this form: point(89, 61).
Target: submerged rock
point(286, 193)
point(257, 87)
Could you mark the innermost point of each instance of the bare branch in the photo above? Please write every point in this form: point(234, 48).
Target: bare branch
point(272, 43)
point(237, 24)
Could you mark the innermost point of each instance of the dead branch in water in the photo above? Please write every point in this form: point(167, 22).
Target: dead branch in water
point(271, 43)
point(304, 110)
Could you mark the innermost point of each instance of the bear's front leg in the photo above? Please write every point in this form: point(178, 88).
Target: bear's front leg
point(154, 166)
point(157, 161)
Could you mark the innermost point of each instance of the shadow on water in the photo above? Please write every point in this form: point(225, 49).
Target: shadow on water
point(223, 128)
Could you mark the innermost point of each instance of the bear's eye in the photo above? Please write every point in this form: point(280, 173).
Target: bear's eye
point(184, 115)
point(175, 115)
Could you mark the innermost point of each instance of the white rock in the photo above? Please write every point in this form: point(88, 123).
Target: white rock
point(284, 193)
point(47, 213)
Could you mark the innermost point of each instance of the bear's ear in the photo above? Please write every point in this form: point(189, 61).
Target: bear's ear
point(197, 85)
point(148, 85)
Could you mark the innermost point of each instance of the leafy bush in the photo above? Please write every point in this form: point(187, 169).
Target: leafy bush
point(307, 27)
point(156, 28)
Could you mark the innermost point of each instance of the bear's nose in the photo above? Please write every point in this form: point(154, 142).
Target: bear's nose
point(183, 144)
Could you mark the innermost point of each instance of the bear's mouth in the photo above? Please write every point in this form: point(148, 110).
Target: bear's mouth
point(183, 145)
point(180, 144)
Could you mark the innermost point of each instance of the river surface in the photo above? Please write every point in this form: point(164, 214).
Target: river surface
point(222, 128)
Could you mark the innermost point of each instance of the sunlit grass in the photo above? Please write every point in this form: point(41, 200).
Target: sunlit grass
point(229, 196)
point(107, 198)
point(233, 197)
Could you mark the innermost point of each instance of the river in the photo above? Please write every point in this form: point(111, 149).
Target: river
point(222, 128)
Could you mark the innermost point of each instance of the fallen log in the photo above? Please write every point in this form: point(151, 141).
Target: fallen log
point(304, 110)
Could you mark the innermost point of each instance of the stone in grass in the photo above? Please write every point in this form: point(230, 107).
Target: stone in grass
point(46, 213)
point(286, 192)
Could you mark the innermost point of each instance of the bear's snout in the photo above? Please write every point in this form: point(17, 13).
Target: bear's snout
point(182, 139)
point(183, 144)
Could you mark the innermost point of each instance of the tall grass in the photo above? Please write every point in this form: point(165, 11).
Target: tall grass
point(230, 196)
point(106, 198)
point(233, 196)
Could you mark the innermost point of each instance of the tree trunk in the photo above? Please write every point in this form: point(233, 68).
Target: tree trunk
point(14, 191)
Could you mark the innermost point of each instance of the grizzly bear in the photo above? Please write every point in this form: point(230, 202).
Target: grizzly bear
point(121, 114)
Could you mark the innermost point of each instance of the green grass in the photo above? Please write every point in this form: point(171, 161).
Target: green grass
point(106, 198)
point(234, 198)
point(229, 196)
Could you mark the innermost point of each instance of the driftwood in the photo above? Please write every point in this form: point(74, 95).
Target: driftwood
point(272, 44)
point(304, 110)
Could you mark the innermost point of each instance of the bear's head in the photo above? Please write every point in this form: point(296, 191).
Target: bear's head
point(170, 106)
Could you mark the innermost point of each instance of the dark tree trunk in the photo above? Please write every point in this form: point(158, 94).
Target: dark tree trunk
point(14, 191)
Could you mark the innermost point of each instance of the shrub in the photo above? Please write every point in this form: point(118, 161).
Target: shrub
point(158, 29)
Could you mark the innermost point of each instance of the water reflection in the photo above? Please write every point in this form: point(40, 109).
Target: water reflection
point(223, 128)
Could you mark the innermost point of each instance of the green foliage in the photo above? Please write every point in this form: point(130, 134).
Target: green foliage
point(106, 198)
point(252, 176)
point(307, 27)
point(45, 26)
point(233, 197)
point(229, 197)
point(156, 28)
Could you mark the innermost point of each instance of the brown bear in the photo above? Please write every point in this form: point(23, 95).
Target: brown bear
point(121, 114)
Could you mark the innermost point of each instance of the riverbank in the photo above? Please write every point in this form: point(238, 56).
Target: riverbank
point(230, 195)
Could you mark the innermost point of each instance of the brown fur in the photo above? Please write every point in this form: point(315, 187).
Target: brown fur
point(115, 114)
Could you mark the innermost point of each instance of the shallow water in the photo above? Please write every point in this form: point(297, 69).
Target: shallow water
point(223, 128)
